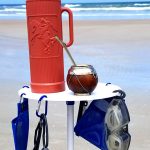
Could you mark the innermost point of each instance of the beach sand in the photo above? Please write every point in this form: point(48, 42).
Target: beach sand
point(119, 51)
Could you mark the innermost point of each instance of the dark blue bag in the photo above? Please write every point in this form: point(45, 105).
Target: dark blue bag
point(91, 125)
point(105, 123)
point(20, 126)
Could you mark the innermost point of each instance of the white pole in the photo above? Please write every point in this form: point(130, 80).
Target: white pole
point(70, 126)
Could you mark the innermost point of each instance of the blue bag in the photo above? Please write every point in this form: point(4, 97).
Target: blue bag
point(20, 126)
point(91, 126)
point(105, 124)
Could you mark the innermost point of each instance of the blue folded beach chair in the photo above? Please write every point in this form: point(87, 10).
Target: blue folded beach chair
point(20, 126)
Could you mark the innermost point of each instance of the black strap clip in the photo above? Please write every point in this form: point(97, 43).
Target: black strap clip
point(122, 94)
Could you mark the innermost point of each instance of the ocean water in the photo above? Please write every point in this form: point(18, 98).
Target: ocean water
point(110, 11)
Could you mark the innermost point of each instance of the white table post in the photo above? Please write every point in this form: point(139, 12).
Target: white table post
point(70, 125)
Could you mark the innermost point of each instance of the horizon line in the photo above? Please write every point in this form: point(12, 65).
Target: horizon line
point(84, 2)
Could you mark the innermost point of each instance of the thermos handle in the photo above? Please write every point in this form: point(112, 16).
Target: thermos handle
point(70, 25)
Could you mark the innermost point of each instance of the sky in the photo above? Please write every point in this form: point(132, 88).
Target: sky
point(69, 1)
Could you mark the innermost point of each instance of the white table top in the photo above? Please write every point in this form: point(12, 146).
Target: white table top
point(102, 91)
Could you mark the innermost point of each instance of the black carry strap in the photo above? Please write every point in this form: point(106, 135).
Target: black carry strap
point(42, 126)
point(82, 106)
point(37, 136)
point(45, 134)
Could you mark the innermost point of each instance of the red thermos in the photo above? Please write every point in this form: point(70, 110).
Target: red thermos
point(44, 22)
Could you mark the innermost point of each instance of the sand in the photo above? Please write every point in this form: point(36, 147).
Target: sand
point(119, 51)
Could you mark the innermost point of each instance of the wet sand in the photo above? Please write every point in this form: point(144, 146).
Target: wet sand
point(119, 51)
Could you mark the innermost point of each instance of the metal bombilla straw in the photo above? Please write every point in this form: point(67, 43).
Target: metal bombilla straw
point(72, 60)
point(66, 49)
